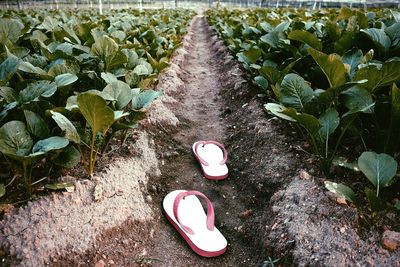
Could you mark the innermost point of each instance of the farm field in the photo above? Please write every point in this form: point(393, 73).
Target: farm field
point(99, 112)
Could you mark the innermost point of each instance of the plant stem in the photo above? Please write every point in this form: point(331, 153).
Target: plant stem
point(340, 138)
point(27, 179)
point(124, 136)
point(91, 165)
point(83, 158)
point(107, 141)
point(12, 180)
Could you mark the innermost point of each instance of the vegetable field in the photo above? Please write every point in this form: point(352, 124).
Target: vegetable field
point(332, 73)
point(99, 113)
point(72, 82)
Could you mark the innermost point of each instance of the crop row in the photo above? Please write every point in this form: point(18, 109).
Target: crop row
point(335, 74)
point(70, 81)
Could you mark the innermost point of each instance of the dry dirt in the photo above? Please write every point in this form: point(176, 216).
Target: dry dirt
point(266, 210)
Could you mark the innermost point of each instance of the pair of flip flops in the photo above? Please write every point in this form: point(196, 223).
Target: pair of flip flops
point(185, 212)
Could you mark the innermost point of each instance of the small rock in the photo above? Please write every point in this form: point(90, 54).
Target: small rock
point(391, 240)
point(341, 201)
point(100, 263)
point(245, 214)
point(98, 192)
point(111, 262)
point(304, 175)
point(6, 208)
point(342, 230)
point(149, 198)
point(153, 189)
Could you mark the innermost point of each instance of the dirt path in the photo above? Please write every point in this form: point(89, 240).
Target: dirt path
point(201, 111)
point(200, 106)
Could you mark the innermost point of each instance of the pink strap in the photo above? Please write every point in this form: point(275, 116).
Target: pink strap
point(210, 210)
point(202, 161)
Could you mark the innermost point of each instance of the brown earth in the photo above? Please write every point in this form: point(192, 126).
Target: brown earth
point(269, 208)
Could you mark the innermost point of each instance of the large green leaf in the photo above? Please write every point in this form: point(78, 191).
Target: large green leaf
point(61, 66)
point(132, 58)
point(50, 23)
point(36, 125)
point(379, 37)
point(6, 110)
point(306, 37)
point(333, 31)
point(277, 110)
point(394, 30)
point(10, 30)
point(295, 92)
point(65, 79)
point(357, 99)
point(107, 49)
point(158, 65)
point(49, 144)
point(132, 78)
point(396, 15)
point(66, 125)
point(7, 69)
point(261, 82)
point(331, 65)
point(307, 121)
point(72, 103)
point(272, 74)
point(8, 94)
point(108, 77)
point(379, 74)
point(35, 90)
point(272, 39)
point(29, 68)
point(68, 158)
point(353, 59)
point(144, 98)
point(15, 139)
point(96, 112)
point(252, 54)
point(341, 190)
point(329, 122)
point(143, 68)
point(378, 168)
point(119, 91)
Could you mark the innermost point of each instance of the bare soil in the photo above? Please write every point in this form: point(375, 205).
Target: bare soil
point(266, 209)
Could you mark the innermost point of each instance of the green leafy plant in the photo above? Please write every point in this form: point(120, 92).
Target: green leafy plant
point(332, 73)
point(100, 118)
point(314, 66)
point(380, 170)
point(90, 76)
point(17, 144)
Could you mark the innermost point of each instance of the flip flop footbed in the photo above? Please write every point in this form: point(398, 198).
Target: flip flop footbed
point(213, 155)
point(191, 214)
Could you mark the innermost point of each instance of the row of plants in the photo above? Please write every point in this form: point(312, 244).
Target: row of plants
point(335, 74)
point(71, 81)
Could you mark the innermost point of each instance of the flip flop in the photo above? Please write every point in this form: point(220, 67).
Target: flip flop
point(185, 212)
point(212, 157)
